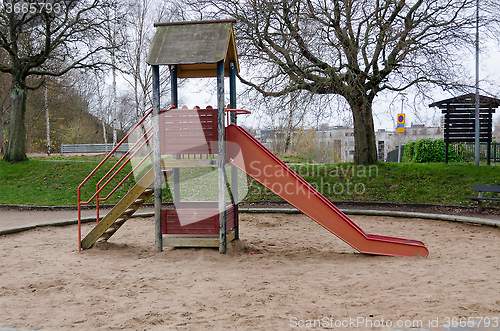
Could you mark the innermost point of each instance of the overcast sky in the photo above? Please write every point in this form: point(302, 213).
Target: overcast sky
point(386, 105)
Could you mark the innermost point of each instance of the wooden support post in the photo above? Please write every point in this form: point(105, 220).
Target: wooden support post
point(488, 121)
point(221, 136)
point(176, 192)
point(232, 90)
point(446, 148)
point(157, 157)
point(446, 133)
point(234, 170)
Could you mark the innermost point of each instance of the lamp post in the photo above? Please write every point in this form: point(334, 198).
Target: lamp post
point(477, 125)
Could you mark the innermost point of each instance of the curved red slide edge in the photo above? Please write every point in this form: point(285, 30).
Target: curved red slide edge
point(253, 158)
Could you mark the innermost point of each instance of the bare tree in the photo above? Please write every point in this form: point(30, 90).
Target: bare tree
point(139, 34)
point(352, 48)
point(45, 39)
point(47, 117)
point(4, 107)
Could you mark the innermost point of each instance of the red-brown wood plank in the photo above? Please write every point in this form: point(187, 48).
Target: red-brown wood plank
point(199, 221)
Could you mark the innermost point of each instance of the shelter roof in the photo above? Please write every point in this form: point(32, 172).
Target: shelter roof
point(466, 103)
point(195, 47)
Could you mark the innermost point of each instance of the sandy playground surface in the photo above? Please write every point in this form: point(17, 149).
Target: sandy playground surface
point(285, 272)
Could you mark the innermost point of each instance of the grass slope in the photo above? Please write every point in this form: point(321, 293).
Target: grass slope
point(50, 183)
point(436, 183)
point(55, 183)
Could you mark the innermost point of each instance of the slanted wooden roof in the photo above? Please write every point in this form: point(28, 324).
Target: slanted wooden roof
point(460, 118)
point(467, 103)
point(195, 47)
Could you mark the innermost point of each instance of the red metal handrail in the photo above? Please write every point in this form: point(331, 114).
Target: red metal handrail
point(98, 188)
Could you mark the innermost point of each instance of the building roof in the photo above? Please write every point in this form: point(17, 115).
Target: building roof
point(195, 47)
point(467, 103)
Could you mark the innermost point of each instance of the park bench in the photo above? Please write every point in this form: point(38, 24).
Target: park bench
point(94, 148)
point(481, 189)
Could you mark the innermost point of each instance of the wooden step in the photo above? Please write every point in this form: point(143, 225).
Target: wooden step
point(138, 201)
point(120, 221)
point(116, 226)
point(129, 211)
point(122, 211)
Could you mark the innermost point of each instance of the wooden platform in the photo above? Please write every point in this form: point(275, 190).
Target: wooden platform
point(191, 240)
point(196, 218)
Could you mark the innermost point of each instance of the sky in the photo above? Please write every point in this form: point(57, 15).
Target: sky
point(386, 106)
point(201, 92)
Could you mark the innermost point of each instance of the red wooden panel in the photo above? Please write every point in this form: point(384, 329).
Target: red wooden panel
point(196, 221)
point(230, 217)
point(188, 131)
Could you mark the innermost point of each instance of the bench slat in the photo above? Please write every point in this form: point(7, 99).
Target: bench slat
point(486, 188)
point(479, 199)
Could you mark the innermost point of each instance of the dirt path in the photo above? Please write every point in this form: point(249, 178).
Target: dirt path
point(18, 218)
point(284, 272)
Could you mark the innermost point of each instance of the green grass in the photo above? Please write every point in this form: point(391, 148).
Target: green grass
point(70, 158)
point(51, 183)
point(55, 182)
point(435, 183)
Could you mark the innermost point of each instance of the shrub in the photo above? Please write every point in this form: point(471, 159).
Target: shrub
point(431, 150)
point(408, 152)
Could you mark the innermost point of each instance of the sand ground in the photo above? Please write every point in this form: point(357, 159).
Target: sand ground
point(285, 272)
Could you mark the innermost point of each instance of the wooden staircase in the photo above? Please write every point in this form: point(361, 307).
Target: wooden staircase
point(122, 211)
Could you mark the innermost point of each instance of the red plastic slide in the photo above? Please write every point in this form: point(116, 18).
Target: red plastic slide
point(253, 158)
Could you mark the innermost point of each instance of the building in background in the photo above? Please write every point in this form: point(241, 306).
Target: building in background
point(339, 140)
point(413, 133)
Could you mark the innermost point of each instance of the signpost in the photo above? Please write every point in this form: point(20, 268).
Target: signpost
point(400, 128)
point(401, 123)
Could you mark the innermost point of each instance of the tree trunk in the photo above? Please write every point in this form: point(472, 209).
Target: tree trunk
point(365, 149)
point(16, 146)
point(105, 136)
point(47, 119)
point(2, 111)
point(115, 112)
point(287, 141)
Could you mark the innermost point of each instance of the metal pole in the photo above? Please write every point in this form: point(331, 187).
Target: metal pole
point(175, 100)
point(399, 148)
point(157, 157)
point(477, 128)
point(399, 134)
point(234, 170)
point(221, 143)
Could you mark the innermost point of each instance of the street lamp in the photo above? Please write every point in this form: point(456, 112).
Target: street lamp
point(477, 126)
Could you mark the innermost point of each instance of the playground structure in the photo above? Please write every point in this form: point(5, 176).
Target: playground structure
point(181, 138)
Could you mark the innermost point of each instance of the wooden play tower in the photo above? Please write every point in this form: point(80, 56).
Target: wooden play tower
point(196, 49)
point(183, 139)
